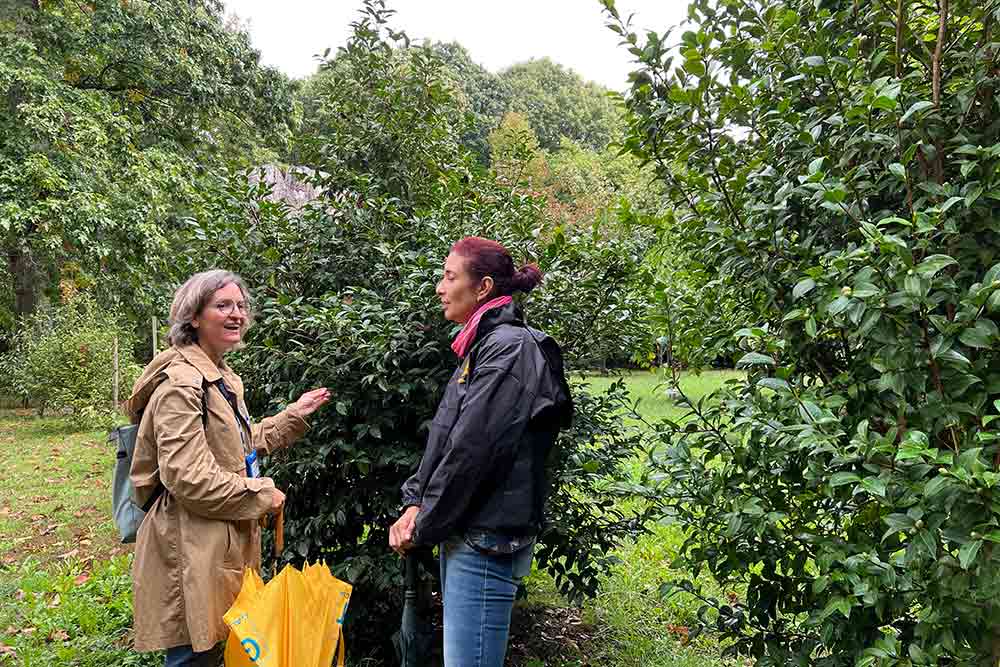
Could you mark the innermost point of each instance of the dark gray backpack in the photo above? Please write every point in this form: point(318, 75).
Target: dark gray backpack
point(128, 514)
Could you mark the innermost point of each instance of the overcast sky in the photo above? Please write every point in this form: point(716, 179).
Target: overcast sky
point(289, 33)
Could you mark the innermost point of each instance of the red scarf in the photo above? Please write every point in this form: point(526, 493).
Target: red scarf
point(464, 339)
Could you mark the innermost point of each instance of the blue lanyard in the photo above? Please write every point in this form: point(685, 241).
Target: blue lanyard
point(242, 420)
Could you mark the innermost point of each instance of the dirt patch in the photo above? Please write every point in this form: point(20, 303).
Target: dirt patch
point(550, 636)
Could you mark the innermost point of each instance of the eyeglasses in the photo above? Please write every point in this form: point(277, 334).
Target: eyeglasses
point(227, 307)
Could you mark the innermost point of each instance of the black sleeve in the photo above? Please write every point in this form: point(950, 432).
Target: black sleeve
point(412, 490)
point(482, 444)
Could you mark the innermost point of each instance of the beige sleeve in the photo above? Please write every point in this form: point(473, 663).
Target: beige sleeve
point(188, 468)
point(281, 430)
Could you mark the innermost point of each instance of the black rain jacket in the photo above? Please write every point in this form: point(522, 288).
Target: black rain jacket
point(484, 465)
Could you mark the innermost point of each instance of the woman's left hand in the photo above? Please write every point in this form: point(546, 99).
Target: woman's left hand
point(313, 400)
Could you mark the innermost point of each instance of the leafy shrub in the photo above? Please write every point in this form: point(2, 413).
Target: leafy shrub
point(62, 359)
point(345, 293)
point(834, 164)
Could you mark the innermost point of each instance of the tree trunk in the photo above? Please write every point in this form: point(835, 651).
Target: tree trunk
point(26, 279)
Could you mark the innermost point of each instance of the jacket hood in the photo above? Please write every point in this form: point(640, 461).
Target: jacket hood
point(509, 314)
point(156, 372)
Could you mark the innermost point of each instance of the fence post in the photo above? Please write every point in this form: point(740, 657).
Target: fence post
point(114, 390)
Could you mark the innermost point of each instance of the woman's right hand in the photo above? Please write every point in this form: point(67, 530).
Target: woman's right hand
point(277, 499)
point(401, 533)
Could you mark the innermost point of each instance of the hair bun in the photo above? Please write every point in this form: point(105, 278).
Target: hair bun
point(527, 278)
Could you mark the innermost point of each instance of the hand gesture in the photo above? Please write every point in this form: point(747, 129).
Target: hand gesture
point(313, 400)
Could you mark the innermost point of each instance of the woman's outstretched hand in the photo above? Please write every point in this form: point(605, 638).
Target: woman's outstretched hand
point(313, 400)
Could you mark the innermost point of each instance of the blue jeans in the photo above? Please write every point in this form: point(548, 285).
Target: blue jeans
point(478, 592)
point(184, 656)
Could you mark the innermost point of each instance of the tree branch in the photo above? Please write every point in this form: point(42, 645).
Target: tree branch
point(900, 21)
point(939, 51)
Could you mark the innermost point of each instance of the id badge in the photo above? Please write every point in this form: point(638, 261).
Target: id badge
point(253, 465)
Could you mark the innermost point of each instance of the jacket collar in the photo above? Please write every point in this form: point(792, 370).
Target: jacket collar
point(509, 314)
point(196, 356)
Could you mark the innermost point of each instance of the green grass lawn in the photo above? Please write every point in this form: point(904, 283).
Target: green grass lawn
point(65, 590)
point(650, 389)
point(55, 497)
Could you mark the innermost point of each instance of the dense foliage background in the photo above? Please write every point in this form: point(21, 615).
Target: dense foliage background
point(345, 295)
point(804, 188)
point(832, 167)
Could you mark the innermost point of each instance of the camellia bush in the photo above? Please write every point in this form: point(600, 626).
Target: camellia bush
point(344, 292)
point(834, 165)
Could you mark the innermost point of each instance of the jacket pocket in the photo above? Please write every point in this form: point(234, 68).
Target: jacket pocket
point(233, 558)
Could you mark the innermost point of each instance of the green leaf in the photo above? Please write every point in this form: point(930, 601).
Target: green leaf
point(974, 194)
point(967, 554)
point(695, 66)
point(914, 286)
point(898, 170)
point(936, 485)
point(814, 61)
point(933, 264)
point(838, 305)
point(874, 486)
point(754, 359)
point(885, 102)
point(811, 327)
point(816, 165)
point(777, 384)
point(951, 202)
point(992, 275)
point(916, 107)
point(803, 287)
point(980, 335)
point(956, 357)
point(841, 478)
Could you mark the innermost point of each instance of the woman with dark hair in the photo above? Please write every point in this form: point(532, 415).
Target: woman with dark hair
point(480, 488)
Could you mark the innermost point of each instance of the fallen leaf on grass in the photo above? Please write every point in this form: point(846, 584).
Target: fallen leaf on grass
point(9, 559)
point(85, 542)
point(51, 528)
point(28, 631)
point(69, 554)
point(20, 594)
point(37, 517)
point(4, 511)
point(54, 602)
point(81, 579)
point(11, 630)
point(7, 650)
point(58, 636)
point(679, 630)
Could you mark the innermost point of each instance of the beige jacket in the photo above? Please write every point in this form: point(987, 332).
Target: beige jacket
point(202, 531)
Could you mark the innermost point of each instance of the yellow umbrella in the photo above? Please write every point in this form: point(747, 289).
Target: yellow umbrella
point(295, 620)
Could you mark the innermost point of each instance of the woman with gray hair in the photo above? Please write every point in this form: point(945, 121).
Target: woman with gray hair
point(195, 471)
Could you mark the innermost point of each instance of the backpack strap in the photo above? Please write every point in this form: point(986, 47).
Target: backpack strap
point(158, 491)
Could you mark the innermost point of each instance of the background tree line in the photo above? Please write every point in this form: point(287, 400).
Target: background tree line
point(129, 158)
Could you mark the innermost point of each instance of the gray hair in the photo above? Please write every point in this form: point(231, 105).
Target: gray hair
point(192, 297)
